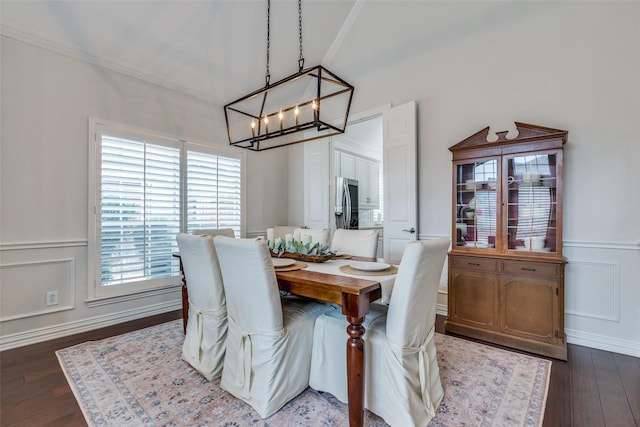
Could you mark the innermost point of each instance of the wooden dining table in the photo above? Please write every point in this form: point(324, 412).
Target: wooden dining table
point(354, 295)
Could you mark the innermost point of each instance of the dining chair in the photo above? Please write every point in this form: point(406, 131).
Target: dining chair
point(355, 242)
point(402, 380)
point(317, 235)
point(205, 337)
point(269, 338)
point(283, 230)
point(215, 232)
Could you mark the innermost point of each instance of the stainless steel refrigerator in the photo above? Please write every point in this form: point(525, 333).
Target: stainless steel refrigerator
point(346, 210)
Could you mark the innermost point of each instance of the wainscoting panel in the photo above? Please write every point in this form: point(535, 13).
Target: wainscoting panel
point(594, 290)
point(30, 269)
point(24, 287)
point(602, 294)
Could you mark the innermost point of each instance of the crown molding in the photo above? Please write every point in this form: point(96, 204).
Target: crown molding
point(40, 40)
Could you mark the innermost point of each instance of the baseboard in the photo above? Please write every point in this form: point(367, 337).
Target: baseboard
point(441, 309)
point(601, 342)
point(65, 329)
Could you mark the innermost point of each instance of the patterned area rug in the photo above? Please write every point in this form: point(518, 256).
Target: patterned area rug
point(139, 379)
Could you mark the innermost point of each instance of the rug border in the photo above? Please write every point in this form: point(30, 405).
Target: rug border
point(543, 407)
point(72, 386)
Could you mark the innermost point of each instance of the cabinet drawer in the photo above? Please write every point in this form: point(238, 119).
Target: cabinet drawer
point(473, 263)
point(532, 269)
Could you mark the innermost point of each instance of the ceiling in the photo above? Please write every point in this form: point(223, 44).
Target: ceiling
point(215, 50)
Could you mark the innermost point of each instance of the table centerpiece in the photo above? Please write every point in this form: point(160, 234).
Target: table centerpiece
point(287, 247)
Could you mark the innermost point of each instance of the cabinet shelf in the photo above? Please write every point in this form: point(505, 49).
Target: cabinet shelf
point(506, 269)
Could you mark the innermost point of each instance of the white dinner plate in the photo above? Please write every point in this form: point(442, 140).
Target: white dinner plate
point(369, 266)
point(283, 262)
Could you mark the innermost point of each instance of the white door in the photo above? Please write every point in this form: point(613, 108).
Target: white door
point(316, 183)
point(400, 179)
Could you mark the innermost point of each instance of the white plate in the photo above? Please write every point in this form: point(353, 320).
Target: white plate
point(283, 262)
point(369, 266)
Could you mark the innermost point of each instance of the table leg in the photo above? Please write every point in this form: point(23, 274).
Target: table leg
point(185, 308)
point(355, 371)
point(185, 299)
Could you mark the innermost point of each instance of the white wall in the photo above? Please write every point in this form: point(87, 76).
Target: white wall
point(566, 65)
point(47, 98)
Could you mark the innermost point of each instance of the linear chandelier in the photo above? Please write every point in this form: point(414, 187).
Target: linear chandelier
point(310, 104)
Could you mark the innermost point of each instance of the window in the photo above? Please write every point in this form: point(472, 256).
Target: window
point(213, 185)
point(146, 190)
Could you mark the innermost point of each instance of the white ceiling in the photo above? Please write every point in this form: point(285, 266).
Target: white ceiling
point(215, 50)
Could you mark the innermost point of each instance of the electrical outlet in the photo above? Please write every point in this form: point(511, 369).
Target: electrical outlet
point(52, 297)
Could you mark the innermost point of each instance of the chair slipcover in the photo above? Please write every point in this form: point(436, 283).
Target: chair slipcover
point(268, 340)
point(355, 242)
point(204, 341)
point(216, 232)
point(318, 235)
point(283, 230)
point(402, 379)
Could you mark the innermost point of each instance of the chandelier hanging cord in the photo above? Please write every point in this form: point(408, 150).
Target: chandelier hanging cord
point(267, 77)
point(301, 57)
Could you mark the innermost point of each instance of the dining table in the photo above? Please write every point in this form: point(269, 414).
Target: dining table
point(353, 292)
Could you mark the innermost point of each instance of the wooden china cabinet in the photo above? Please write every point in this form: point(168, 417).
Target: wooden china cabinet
point(506, 269)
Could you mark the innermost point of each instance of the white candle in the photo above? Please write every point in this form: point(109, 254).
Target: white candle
point(270, 238)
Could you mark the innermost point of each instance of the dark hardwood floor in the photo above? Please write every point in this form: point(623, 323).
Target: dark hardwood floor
point(593, 388)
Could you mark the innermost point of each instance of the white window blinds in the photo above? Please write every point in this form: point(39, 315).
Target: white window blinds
point(213, 192)
point(139, 210)
point(145, 190)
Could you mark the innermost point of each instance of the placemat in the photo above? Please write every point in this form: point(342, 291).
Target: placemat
point(297, 266)
point(387, 271)
point(343, 256)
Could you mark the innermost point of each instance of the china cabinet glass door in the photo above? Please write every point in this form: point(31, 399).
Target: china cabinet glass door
point(531, 182)
point(476, 203)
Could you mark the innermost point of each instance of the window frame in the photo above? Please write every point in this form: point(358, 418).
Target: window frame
point(98, 128)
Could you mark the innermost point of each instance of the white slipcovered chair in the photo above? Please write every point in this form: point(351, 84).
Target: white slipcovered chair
point(205, 338)
point(355, 242)
point(318, 235)
point(402, 379)
point(283, 230)
point(269, 340)
point(216, 232)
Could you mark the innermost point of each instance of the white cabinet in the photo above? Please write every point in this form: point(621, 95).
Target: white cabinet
point(374, 184)
point(368, 176)
point(366, 171)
